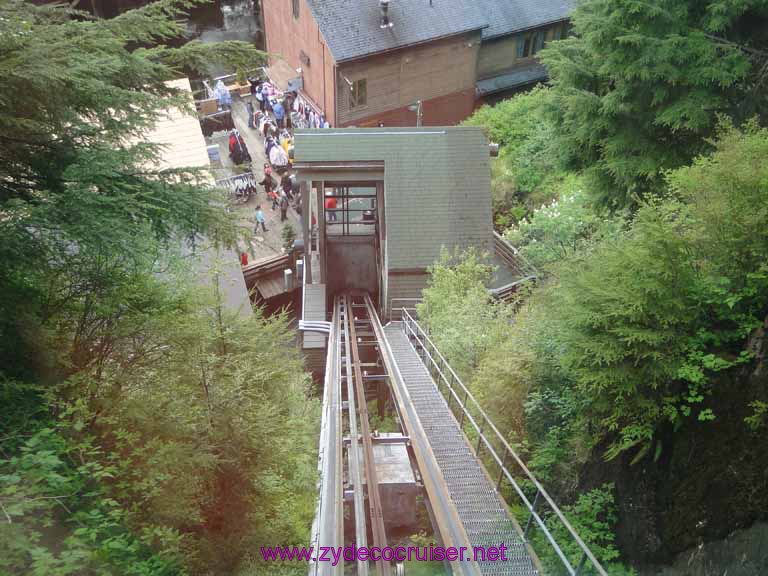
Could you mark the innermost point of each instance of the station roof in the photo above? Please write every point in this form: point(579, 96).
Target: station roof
point(437, 184)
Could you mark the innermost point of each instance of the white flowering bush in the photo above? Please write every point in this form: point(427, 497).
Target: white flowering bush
point(559, 227)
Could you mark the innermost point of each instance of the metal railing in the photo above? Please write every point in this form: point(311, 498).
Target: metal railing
point(398, 304)
point(455, 392)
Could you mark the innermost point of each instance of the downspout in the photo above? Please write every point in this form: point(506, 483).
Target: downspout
point(325, 100)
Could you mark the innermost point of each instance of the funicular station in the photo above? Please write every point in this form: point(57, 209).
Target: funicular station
point(402, 437)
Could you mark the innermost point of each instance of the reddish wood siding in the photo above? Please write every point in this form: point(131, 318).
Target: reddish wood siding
point(287, 37)
point(444, 69)
point(443, 111)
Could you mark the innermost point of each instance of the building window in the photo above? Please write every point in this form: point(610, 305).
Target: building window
point(351, 209)
point(560, 32)
point(358, 93)
point(295, 4)
point(530, 43)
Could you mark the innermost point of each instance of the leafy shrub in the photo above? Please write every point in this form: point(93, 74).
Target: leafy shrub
point(527, 163)
point(560, 228)
point(646, 318)
point(459, 312)
point(593, 517)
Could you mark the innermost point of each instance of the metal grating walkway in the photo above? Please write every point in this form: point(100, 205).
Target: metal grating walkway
point(479, 507)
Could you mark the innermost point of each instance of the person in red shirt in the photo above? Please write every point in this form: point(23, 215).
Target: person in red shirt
point(244, 259)
point(330, 209)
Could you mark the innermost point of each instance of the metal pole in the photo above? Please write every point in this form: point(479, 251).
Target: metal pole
point(530, 518)
point(501, 472)
point(582, 562)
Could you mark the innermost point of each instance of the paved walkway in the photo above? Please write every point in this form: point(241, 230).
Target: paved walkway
point(263, 245)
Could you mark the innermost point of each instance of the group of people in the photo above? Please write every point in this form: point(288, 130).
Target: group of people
point(274, 114)
point(281, 196)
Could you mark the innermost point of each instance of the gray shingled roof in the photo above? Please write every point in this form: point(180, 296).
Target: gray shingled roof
point(351, 27)
point(510, 16)
point(515, 78)
point(437, 185)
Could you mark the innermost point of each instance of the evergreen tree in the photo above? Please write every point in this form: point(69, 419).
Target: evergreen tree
point(637, 88)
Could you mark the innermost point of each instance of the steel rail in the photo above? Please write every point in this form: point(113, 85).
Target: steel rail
point(413, 329)
point(383, 567)
point(446, 516)
point(353, 449)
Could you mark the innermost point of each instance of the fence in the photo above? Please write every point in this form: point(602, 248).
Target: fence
point(488, 438)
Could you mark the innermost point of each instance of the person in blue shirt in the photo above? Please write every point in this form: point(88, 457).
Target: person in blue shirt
point(260, 219)
point(279, 112)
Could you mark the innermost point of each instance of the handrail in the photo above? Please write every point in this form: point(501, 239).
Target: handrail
point(413, 330)
point(328, 525)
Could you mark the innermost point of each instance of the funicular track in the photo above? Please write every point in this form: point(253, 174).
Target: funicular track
point(466, 506)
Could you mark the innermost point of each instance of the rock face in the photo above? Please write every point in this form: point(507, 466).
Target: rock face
point(710, 479)
point(743, 553)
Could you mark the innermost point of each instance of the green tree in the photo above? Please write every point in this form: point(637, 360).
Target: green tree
point(142, 443)
point(647, 318)
point(78, 185)
point(636, 89)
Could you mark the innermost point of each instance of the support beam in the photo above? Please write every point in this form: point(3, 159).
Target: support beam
point(306, 224)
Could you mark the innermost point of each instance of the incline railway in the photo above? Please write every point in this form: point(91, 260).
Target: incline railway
point(451, 442)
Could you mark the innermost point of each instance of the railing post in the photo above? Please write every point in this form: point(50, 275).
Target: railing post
point(480, 439)
point(463, 410)
point(501, 471)
point(530, 518)
point(582, 562)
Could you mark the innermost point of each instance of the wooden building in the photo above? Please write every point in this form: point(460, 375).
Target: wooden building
point(370, 61)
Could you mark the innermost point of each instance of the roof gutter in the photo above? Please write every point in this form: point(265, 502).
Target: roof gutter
point(521, 30)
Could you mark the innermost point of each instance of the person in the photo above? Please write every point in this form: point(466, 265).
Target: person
point(260, 96)
point(223, 96)
point(275, 200)
point(330, 208)
point(279, 111)
point(260, 220)
point(287, 185)
point(244, 259)
point(283, 207)
point(251, 112)
point(287, 107)
point(268, 182)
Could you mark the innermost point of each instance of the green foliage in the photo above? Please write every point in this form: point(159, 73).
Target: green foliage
point(759, 415)
point(528, 165)
point(636, 88)
point(458, 310)
point(562, 227)
point(593, 517)
point(52, 478)
point(647, 318)
point(79, 185)
point(143, 443)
